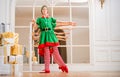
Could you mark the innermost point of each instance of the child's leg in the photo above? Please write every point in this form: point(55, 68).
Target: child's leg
point(58, 60)
point(57, 57)
point(46, 58)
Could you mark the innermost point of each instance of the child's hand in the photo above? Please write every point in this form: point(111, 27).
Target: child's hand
point(72, 23)
point(33, 21)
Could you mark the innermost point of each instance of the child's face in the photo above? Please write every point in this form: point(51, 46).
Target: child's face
point(44, 11)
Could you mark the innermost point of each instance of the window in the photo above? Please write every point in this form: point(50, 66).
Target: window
point(76, 49)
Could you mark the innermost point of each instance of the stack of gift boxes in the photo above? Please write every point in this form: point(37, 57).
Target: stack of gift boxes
point(11, 58)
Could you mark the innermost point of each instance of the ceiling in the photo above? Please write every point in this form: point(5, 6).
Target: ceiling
point(46, 2)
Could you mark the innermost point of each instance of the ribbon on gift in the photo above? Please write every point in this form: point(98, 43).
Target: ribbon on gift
point(7, 50)
point(16, 49)
point(1, 39)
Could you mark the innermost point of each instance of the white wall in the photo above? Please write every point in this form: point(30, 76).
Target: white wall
point(107, 32)
point(2, 11)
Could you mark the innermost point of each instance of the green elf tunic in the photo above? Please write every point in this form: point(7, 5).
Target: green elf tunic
point(47, 35)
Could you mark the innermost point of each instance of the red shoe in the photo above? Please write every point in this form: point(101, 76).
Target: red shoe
point(64, 69)
point(47, 71)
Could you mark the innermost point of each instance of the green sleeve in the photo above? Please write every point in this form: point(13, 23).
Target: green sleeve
point(38, 22)
point(53, 22)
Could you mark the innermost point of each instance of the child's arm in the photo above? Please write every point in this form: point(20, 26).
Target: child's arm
point(35, 26)
point(61, 33)
point(60, 23)
point(62, 38)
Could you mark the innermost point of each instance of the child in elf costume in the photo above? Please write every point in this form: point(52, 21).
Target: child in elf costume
point(48, 41)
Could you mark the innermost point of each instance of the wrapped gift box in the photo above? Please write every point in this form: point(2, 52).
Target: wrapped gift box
point(16, 49)
point(11, 54)
point(16, 59)
point(17, 70)
point(4, 59)
point(8, 41)
point(5, 50)
point(1, 51)
point(5, 69)
point(1, 59)
point(12, 60)
point(19, 59)
point(10, 38)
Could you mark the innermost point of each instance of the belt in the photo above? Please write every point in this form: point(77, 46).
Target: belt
point(46, 29)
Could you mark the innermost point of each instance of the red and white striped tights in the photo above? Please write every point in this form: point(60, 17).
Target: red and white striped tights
point(56, 56)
